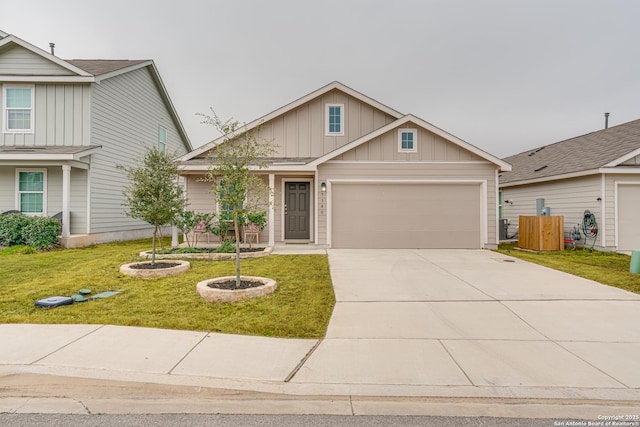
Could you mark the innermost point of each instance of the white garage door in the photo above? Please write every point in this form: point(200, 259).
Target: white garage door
point(628, 217)
point(425, 216)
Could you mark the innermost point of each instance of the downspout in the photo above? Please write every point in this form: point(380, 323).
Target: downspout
point(66, 203)
point(272, 208)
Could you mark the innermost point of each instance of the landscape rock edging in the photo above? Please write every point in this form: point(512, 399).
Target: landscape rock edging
point(225, 295)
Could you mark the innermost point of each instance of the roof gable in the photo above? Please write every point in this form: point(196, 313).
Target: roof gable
point(35, 54)
point(605, 148)
point(292, 106)
point(410, 119)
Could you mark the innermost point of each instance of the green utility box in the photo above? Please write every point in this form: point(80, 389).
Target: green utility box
point(635, 262)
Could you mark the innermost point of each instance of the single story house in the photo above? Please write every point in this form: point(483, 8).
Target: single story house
point(67, 125)
point(351, 172)
point(598, 172)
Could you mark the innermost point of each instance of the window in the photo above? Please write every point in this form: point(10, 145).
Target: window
point(229, 196)
point(335, 120)
point(31, 197)
point(407, 140)
point(18, 109)
point(162, 139)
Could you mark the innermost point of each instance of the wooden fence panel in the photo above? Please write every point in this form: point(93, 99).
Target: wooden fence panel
point(541, 233)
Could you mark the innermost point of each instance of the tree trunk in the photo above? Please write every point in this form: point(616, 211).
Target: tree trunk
point(153, 244)
point(237, 230)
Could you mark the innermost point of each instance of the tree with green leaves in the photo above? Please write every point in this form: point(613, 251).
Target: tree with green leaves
point(238, 190)
point(154, 193)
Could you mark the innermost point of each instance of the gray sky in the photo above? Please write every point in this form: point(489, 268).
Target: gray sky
point(504, 75)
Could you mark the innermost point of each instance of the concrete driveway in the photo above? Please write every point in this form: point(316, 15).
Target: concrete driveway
point(473, 318)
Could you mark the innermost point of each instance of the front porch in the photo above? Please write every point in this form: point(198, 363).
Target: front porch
point(294, 207)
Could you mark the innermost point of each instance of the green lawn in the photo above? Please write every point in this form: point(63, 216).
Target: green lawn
point(609, 268)
point(300, 307)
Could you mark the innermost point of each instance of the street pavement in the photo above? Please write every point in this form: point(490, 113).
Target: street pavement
point(422, 332)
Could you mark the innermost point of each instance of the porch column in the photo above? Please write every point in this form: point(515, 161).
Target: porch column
point(272, 209)
point(66, 194)
point(174, 236)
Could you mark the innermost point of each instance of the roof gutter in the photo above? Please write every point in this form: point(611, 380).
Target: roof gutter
point(551, 178)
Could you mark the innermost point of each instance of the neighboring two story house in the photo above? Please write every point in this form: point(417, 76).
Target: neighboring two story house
point(350, 172)
point(67, 125)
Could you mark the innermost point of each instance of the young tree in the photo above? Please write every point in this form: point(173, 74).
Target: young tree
point(154, 194)
point(239, 192)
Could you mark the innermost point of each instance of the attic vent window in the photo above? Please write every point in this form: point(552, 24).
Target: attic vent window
point(540, 168)
point(334, 120)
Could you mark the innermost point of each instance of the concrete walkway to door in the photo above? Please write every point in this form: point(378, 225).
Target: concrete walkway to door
point(475, 322)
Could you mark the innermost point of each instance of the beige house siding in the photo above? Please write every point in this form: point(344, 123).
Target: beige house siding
point(634, 161)
point(301, 131)
point(202, 200)
point(568, 197)
point(414, 171)
point(17, 60)
point(61, 117)
point(431, 147)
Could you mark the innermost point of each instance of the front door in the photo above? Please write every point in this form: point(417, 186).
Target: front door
point(296, 210)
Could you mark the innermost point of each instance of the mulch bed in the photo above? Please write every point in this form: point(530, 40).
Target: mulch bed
point(211, 251)
point(230, 285)
point(157, 265)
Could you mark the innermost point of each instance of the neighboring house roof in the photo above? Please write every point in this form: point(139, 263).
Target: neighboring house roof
point(75, 74)
point(46, 153)
point(90, 71)
point(194, 158)
point(104, 66)
point(582, 154)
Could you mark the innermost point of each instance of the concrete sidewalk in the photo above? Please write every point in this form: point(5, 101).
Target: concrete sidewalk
point(407, 323)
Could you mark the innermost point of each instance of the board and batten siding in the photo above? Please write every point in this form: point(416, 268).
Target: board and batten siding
point(61, 117)
point(127, 111)
point(414, 171)
point(17, 60)
point(301, 131)
point(431, 147)
point(567, 197)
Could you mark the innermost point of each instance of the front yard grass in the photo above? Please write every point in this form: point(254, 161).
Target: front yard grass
point(300, 307)
point(609, 268)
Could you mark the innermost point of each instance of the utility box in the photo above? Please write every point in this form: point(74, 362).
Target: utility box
point(541, 233)
point(504, 224)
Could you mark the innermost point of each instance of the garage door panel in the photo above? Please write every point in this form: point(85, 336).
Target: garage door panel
point(628, 217)
point(406, 216)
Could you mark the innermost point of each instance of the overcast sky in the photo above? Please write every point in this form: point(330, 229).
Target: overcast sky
point(504, 75)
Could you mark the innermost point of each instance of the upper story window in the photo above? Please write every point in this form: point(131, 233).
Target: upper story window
point(407, 140)
point(334, 120)
point(18, 108)
point(162, 139)
point(31, 191)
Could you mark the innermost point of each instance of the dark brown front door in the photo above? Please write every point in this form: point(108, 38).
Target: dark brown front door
point(296, 210)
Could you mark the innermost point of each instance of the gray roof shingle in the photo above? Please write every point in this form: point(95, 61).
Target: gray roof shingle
point(103, 66)
point(582, 153)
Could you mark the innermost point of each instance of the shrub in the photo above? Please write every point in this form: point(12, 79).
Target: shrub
point(227, 247)
point(41, 232)
point(11, 229)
